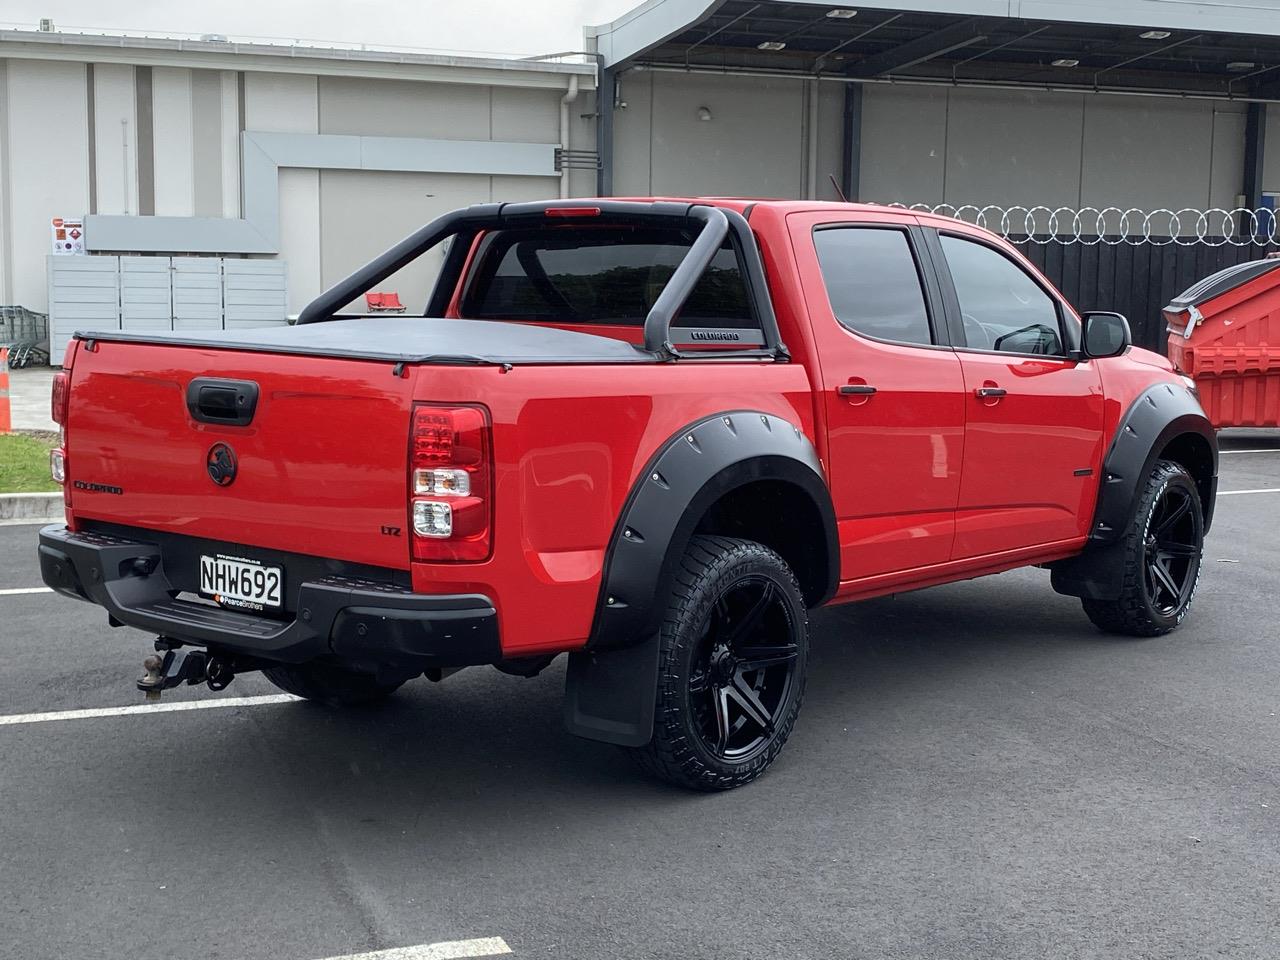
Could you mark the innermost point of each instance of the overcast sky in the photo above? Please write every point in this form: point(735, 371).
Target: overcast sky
point(499, 26)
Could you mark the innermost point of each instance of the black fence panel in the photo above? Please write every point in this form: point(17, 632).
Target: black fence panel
point(1137, 280)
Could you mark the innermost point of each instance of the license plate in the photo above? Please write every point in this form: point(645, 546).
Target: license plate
point(240, 583)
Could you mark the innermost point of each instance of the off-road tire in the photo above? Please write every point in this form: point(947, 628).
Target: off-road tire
point(329, 684)
point(1133, 613)
point(711, 566)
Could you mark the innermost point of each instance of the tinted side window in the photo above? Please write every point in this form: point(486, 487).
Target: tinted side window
point(873, 283)
point(1003, 308)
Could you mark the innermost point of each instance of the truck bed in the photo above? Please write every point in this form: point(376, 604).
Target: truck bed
point(404, 340)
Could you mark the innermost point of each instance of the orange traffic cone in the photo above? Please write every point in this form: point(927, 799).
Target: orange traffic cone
point(6, 422)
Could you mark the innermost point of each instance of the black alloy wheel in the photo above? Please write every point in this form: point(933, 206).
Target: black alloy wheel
point(744, 670)
point(1171, 551)
point(732, 653)
point(1159, 560)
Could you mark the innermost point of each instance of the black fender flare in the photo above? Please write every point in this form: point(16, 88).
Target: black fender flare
point(611, 683)
point(1158, 416)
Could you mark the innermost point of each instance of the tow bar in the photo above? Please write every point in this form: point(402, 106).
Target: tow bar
point(171, 666)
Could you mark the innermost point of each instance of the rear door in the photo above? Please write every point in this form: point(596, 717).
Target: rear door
point(891, 388)
point(1033, 415)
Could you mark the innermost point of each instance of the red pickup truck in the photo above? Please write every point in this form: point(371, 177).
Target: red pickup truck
point(650, 434)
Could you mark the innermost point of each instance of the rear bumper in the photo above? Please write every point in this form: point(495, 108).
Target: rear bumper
point(353, 619)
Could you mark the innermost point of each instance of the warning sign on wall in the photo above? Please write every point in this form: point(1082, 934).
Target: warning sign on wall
point(68, 235)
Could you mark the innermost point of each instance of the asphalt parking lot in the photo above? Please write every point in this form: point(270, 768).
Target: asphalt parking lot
point(976, 773)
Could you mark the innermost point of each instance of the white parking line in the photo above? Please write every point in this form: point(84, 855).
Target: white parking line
point(1260, 450)
point(18, 591)
point(1237, 493)
point(95, 712)
point(447, 950)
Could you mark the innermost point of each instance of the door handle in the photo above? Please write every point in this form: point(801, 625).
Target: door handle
point(985, 393)
point(226, 402)
point(855, 390)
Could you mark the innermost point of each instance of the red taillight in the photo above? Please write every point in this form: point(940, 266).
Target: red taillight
point(58, 398)
point(450, 483)
point(571, 212)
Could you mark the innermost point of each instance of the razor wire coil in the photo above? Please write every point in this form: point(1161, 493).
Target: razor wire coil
point(1116, 226)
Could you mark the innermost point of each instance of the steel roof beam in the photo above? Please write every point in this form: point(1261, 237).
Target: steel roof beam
point(939, 43)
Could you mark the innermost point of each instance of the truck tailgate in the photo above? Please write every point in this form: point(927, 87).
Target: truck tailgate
point(320, 469)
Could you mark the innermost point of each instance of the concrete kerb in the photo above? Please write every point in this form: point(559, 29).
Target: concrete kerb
point(30, 507)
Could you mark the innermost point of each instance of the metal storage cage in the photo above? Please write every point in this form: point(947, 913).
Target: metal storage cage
point(26, 334)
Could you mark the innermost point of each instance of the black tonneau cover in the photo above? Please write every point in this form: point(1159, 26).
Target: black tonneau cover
point(405, 340)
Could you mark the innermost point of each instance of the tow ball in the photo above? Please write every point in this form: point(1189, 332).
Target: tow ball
point(171, 667)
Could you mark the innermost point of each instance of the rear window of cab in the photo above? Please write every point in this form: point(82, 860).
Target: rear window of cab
point(608, 275)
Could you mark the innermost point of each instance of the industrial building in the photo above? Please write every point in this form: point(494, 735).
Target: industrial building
point(202, 169)
point(1105, 103)
point(315, 158)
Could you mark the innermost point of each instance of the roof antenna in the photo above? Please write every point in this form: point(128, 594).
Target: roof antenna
point(839, 192)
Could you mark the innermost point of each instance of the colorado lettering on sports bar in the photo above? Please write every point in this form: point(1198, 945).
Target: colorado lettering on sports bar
point(607, 436)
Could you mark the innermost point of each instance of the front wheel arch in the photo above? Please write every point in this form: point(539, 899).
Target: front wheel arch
point(1165, 422)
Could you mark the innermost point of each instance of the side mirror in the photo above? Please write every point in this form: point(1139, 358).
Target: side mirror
point(1105, 334)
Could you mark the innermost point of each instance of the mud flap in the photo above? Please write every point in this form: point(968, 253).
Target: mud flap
point(1096, 574)
point(610, 694)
